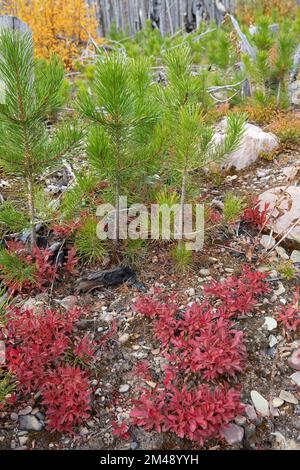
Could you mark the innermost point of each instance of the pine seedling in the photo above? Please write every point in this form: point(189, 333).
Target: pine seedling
point(233, 208)
point(27, 146)
point(192, 146)
point(122, 113)
point(87, 244)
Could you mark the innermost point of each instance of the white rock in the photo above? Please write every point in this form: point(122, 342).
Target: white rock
point(124, 388)
point(295, 256)
point(272, 341)
point(270, 323)
point(124, 338)
point(267, 242)
point(254, 142)
point(25, 411)
point(280, 290)
point(284, 207)
point(282, 253)
point(288, 397)
point(296, 378)
point(277, 402)
point(204, 272)
point(260, 403)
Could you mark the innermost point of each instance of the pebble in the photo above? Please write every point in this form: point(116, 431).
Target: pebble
point(124, 338)
point(296, 378)
point(233, 433)
point(267, 242)
point(83, 432)
point(260, 403)
point(204, 272)
point(23, 440)
point(272, 341)
point(14, 417)
point(240, 420)
point(270, 323)
point(124, 388)
point(288, 397)
point(282, 253)
point(295, 256)
point(30, 423)
point(25, 411)
point(280, 290)
point(250, 412)
point(133, 445)
point(294, 360)
point(277, 402)
point(68, 302)
point(191, 292)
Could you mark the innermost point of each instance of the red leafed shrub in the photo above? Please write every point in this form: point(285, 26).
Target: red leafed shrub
point(46, 271)
point(238, 295)
point(36, 341)
point(38, 346)
point(196, 340)
point(71, 261)
point(197, 414)
point(25, 270)
point(141, 370)
point(200, 343)
point(120, 430)
point(289, 316)
point(66, 397)
point(255, 216)
point(84, 348)
point(65, 230)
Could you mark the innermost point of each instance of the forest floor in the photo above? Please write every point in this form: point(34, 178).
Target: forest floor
point(114, 384)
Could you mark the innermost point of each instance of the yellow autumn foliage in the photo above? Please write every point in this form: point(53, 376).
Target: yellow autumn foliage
point(59, 26)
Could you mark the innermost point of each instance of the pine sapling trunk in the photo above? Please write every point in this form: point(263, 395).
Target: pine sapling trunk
point(117, 217)
point(181, 214)
point(117, 187)
point(31, 207)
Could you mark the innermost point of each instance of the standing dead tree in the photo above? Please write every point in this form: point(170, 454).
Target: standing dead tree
point(168, 16)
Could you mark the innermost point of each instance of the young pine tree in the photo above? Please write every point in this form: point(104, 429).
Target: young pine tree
point(122, 112)
point(191, 144)
point(27, 146)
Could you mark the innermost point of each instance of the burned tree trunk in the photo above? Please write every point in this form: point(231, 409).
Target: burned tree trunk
point(168, 16)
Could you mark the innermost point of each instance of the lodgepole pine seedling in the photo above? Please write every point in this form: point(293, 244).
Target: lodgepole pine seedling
point(123, 115)
point(27, 146)
point(191, 146)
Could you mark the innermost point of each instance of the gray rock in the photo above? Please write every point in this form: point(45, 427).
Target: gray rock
point(288, 397)
point(30, 423)
point(124, 388)
point(296, 378)
point(295, 256)
point(233, 433)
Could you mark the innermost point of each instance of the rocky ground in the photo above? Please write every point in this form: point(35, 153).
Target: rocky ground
point(270, 386)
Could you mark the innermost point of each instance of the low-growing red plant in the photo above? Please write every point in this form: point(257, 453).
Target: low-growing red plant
point(289, 316)
point(200, 343)
point(198, 414)
point(39, 345)
point(255, 215)
point(36, 341)
point(120, 430)
point(237, 294)
point(67, 398)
